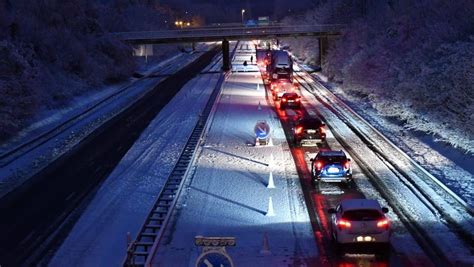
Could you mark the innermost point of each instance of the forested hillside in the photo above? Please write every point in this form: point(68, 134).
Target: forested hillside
point(52, 50)
point(412, 60)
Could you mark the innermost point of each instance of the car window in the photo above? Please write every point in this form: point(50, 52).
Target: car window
point(311, 123)
point(362, 215)
point(334, 159)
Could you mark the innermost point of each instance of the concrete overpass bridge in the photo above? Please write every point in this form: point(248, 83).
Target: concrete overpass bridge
point(226, 34)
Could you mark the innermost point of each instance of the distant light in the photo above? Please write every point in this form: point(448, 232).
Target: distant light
point(243, 11)
point(188, 24)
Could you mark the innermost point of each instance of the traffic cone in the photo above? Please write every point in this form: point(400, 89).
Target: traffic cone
point(270, 142)
point(270, 212)
point(265, 248)
point(271, 184)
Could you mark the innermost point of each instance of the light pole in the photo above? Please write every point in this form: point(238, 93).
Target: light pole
point(243, 11)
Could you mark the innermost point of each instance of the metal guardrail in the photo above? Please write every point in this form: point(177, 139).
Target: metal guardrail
point(228, 32)
point(140, 252)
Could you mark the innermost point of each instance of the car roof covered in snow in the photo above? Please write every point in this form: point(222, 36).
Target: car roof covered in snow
point(357, 204)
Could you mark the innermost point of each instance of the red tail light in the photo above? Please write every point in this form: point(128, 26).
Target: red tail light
point(343, 224)
point(297, 100)
point(299, 129)
point(382, 224)
point(319, 165)
point(347, 165)
point(322, 130)
point(283, 100)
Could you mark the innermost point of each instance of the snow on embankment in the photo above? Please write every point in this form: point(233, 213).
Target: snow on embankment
point(53, 51)
point(411, 61)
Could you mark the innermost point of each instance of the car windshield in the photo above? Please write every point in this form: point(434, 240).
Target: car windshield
point(311, 124)
point(333, 159)
point(362, 215)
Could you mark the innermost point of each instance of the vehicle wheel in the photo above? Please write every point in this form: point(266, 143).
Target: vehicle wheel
point(384, 251)
point(295, 142)
point(338, 247)
point(318, 185)
point(348, 184)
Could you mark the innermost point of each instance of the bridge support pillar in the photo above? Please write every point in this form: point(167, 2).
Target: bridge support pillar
point(323, 49)
point(225, 55)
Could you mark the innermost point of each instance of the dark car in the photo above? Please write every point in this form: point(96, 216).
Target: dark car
point(331, 166)
point(290, 100)
point(309, 131)
point(280, 87)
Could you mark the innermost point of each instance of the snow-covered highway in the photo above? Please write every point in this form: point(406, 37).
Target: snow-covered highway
point(261, 196)
point(228, 194)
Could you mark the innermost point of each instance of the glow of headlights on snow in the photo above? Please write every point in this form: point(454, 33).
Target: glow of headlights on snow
point(282, 215)
point(243, 92)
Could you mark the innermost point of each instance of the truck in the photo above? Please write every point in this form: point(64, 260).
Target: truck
point(281, 65)
point(280, 74)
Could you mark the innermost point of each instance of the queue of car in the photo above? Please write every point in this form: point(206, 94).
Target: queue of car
point(352, 220)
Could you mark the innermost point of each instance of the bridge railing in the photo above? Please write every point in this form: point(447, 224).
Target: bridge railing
point(229, 31)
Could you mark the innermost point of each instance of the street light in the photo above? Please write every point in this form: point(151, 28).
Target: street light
point(243, 11)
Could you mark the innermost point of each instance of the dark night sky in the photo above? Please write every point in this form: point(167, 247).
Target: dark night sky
point(229, 10)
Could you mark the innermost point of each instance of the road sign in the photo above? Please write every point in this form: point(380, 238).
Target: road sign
point(213, 252)
point(214, 259)
point(202, 241)
point(262, 130)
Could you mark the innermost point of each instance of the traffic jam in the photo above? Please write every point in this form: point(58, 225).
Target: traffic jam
point(344, 221)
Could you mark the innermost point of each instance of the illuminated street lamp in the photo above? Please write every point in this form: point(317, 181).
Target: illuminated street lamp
point(243, 12)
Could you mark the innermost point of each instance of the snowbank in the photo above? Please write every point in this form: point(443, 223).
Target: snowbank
point(411, 60)
point(52, 51)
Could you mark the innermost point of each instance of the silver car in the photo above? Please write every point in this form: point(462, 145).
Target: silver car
point(360, 221)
